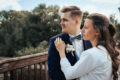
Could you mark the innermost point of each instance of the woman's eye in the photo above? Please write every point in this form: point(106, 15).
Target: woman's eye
point(85, 27)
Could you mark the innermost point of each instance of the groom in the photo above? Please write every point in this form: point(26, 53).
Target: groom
point(71, 17)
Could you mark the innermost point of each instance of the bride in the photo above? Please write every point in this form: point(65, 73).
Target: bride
point(99, 62)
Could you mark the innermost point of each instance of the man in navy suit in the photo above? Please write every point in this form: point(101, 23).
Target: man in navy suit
point(71, 17)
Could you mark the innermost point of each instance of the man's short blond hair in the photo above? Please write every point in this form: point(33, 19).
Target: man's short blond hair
point(74, 11)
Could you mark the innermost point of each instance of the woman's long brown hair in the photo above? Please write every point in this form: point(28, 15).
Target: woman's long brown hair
point(107, 32)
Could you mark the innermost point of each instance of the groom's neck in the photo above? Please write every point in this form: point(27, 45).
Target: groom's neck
point(75, 33)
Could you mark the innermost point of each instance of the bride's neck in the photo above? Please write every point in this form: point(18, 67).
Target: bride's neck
point(94, 42)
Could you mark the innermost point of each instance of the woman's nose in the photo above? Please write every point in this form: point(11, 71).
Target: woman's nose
point(82, 30)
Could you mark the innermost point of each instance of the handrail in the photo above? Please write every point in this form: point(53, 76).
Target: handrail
point(34, 64)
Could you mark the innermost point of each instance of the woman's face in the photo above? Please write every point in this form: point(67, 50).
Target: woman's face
point(88, 31)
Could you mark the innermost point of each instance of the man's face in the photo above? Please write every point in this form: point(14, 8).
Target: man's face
point(68, 24)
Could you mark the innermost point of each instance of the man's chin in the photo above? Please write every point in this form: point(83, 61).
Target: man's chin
point(63, 31)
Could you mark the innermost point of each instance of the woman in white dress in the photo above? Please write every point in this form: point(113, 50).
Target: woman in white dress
point(98, 63)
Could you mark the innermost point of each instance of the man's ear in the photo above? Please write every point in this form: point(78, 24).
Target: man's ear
point(77, 21)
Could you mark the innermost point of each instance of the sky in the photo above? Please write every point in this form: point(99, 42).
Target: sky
point(106, 7)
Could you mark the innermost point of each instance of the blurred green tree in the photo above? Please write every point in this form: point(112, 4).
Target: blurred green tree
point(21, 29)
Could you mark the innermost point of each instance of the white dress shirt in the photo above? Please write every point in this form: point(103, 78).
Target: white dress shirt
point(78, 46)
point(94, 64)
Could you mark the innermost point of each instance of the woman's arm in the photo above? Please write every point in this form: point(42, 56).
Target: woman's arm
point(60, 46)
point(86, 63)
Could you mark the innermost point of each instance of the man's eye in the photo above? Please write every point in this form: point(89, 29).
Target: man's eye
point(65, 20)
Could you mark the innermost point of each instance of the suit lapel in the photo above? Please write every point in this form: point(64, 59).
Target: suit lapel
point(71, 58)
point(86, 44)
point(66, 38)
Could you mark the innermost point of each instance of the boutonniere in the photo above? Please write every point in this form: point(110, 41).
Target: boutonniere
point(70, 48)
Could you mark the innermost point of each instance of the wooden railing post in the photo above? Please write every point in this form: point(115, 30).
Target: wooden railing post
point(15, 75)
point(30, 72)
point(46, 71)
point(41, 67)
point(5, 75)
point(11, 75)
point(23, 73)
point(36, 72)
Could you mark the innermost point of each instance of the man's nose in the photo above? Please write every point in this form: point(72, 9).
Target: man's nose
point(61, 22)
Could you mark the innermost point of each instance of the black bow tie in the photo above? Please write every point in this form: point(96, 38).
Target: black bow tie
point(76, 37)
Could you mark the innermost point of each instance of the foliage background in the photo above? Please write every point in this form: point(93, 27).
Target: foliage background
point(25, 33)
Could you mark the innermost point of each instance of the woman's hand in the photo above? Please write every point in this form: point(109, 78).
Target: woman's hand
point(60, 46)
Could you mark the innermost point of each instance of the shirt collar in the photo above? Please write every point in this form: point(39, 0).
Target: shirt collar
point(74, 35)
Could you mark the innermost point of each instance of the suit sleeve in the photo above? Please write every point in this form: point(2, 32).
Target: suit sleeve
point(54, 68)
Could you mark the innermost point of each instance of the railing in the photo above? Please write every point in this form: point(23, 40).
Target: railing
point(32, 67)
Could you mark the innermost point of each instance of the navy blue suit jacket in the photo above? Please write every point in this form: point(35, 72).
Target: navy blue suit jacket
point(54, 68)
